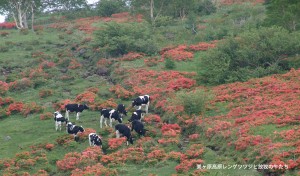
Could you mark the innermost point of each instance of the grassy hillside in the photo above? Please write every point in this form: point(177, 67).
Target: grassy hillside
point(249, 128)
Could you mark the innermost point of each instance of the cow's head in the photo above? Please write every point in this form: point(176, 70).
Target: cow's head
point(81, 129)
point(130, 139)
point(134, 103)
point(85, 106)
point(142, 132)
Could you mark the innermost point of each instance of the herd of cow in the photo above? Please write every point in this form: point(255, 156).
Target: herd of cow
point(107, 114)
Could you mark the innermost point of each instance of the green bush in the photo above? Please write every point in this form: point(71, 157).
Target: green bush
point(4, 49)
point(107, 8)
point(194, 102)
point(118, 39)
point(163, 21)
point(255, 53)
point(169, 64)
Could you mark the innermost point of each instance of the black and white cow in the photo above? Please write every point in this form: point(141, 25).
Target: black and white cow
point(141, 101)
point(137, 115)
point(138, 127)
point(74, 129)
point(95, 140)
point(110, 114)
point(78, 108)
point(59, 119)
point(122, 110)
point(123, 130)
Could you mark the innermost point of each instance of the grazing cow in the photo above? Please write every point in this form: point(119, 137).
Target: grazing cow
point(110, 114)
point(122, 110)
point(95, 140)
point(73, 129)
point(138, 127)
point(124, 130)
point(59, 119)
point(142, 101)
point(78, 108)
point(137, 115)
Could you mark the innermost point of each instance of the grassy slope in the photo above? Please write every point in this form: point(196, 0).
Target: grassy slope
point(32, 131)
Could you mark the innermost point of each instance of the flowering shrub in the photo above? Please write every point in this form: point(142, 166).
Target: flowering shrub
point(64, 140)
point(95, 90)
point(69, 162)
point(150, 62)
point(15, 107)
point(182, 83)
point(97, 169)
point(202, 46)
point(20, 84)
point(194, 151)
point(187, 165)
point(31, 108)
point(194, 137)
point(25, 163)
point(115, 143)
point(104, 104)
point(74, 64)
point(45, 93)
point(3, 87)
point(176, 156)
point(179, 53)
point(61, 104)
point(131, 56)
point(150, 118)
point(49, 146)
point(168, 141)
point(104, 62)
point(6, 101)
point(120, 91)
point(85, 134)
point(46, 115)
point(87, 97)
point(46, 64)
point(7, 25)
point(170, 130)
point(157, 154)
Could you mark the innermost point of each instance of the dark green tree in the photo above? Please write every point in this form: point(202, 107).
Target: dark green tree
point(109, 7)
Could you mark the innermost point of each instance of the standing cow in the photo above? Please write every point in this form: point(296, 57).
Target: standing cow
point(59, 119)
point(78, 108)
point(141, 101)
point(110, 114)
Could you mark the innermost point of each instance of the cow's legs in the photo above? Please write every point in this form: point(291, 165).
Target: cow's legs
point(117, 134)
point(147, 106)
point(101, 121)
point(67, 114)
point(90, 140)
point(110, 122)
point(56, 125)
point(77, 115)
point(105, 121)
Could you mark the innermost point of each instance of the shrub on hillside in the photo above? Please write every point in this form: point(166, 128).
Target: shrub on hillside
point(119, 39)
point(255, 53)
point(193, 102)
